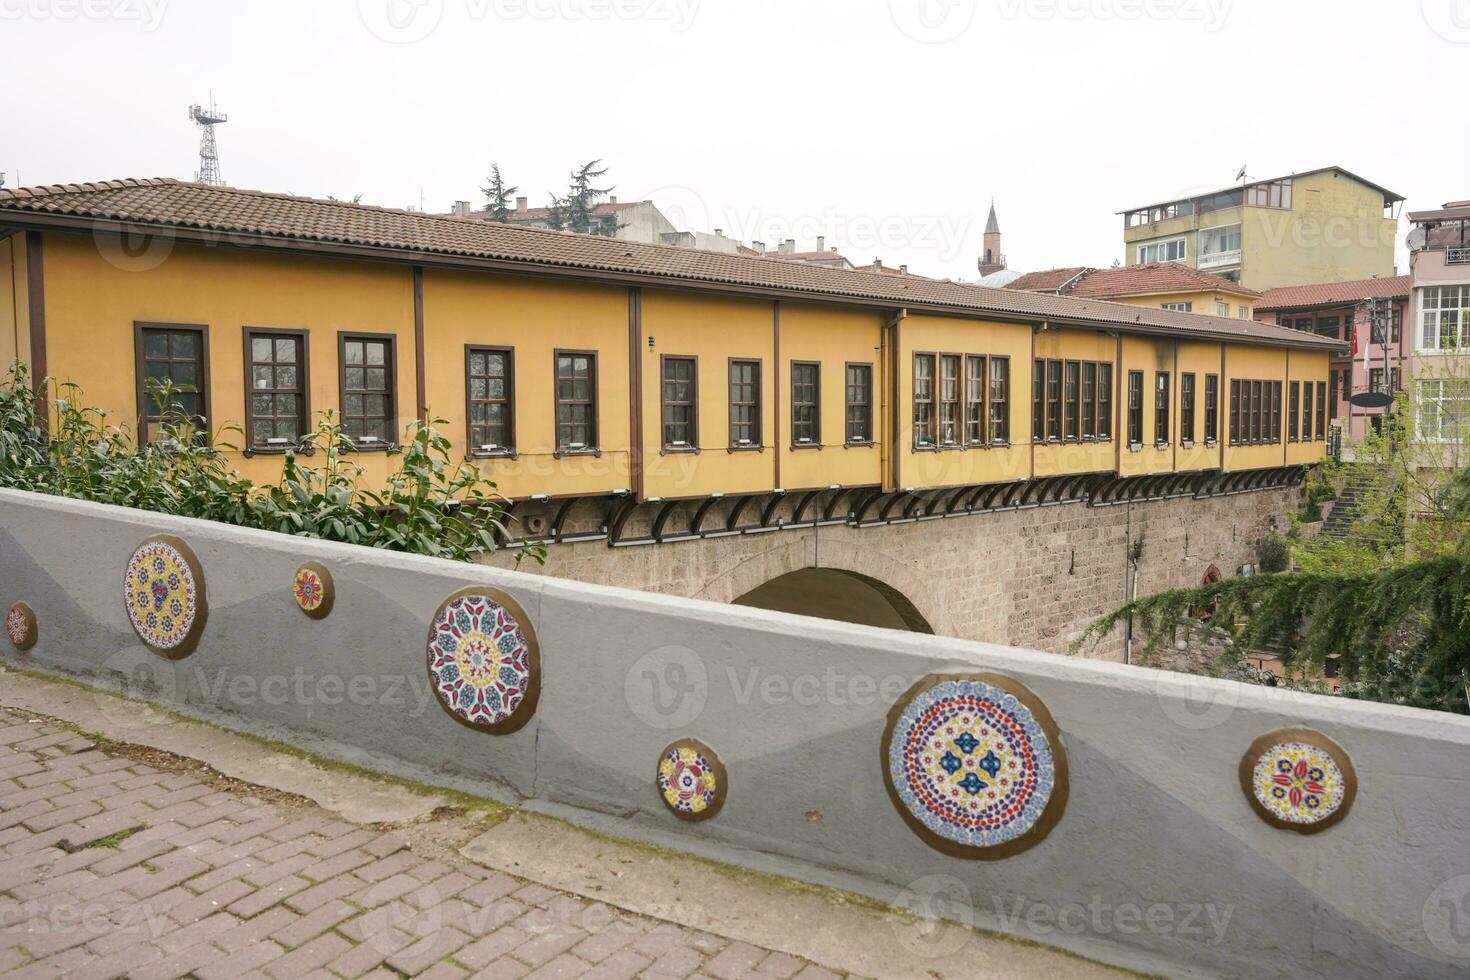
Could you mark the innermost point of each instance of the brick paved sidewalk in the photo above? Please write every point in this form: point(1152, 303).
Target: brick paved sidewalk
point(109, 868)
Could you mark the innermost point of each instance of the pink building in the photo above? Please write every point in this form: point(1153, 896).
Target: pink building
point(1439, 363)
point(1345, 310)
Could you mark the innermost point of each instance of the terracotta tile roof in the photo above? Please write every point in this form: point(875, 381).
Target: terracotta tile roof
point(1335, 293)
point(804, 256)
point(234, 217)
point(1128, 280)
point(1450, 212)
point(1048, 280)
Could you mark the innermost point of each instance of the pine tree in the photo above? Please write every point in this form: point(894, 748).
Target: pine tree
point(556, 214)
point(582, 198)
point(498, 197)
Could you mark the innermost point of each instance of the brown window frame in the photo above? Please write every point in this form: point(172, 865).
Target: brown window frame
point(928, 401)
point(1053, 401)
point(1162, 405)
point(1321, 432)
point(1135, 410)
point(140, 382)
point(1293, 410)
point(390, 366)
point(1235, 414)
point(999, 417)
point(691, 403)
point(1104, 401)
point(593, 445)
point(1275, 439)
point(865, 406)
point(814, 440)
point(757, 422)
point(949, 399)
point(473, 449)
point(1212, 409)
point(1072, 401)
point(303, 390)
point(1186, 409)
point(1089, 401)
point(977, 410)
point(1038, 401)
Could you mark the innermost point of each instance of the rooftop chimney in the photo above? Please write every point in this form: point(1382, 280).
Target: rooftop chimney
point(877, 265)
point(720, 232)
point(821, 243)
point(903, 269)
point(522, 202)
point(613, 199)
point(788, 247)
point(758, 246)
point(462, 208)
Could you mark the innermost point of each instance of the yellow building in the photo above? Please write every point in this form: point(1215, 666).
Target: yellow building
point(1162, 285)
point(575, 367)
point(1325, 225)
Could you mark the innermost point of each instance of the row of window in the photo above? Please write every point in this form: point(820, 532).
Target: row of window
point(1255, 412)
point(1446, 317)
point(1071, 401)
point(954, 410)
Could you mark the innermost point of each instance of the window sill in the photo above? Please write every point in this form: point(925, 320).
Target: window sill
point(1186, 444)
point(795, 446)
point(1161, 445)
point(679, 451)
point(375, 448)
point(859, 444)
point(1135, 447)
point(560, 453)
point(1211, 443)
point(508, 454)
point(745, 449)
point(251, 451)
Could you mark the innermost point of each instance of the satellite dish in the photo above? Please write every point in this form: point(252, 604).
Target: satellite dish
point(1371, 399)
point(1242, 174)
point(1417, 239)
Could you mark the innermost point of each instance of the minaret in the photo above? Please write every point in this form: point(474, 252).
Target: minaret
point(992, 260)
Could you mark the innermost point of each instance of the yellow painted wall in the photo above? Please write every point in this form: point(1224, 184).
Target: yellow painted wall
point(1255, 364)
point(11, 294)
point(712, 329)
point(956, 467)
point(534, 317)
point(831, 336)
point(1308, 367)
point(1150, 356)
point(1199, 359)
point(1056, 459)
point(92, 301)
point(1204, 302)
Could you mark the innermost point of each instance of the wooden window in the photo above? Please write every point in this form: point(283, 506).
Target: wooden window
point(1255, 413)
point(178, 353)
point(1053, 401)
point(924, 401)
point(1105, 401)
point(745, 404)
point(1321, 410)
point(276, 413)
point(1235, 412)
point(859, 404)
point(976, 418)
point(369, 416)
point(1186, 409)
point(1038, 401)
point(1293, 409)
point(1275, 412)
point(806, 400)
point(490, 400)
point(949, 400)
point(1072, 402)
point(1089, 400)
point(1135, 408)
point(680, 400)
point(576, 401)
point(1212, 409)
point(1161, 408)
point(1307, 409)
point(1000, 401)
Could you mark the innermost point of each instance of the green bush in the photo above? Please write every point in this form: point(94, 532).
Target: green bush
point(1275, 553)
point(429, 505)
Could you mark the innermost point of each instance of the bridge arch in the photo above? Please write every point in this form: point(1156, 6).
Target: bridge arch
point(836, 593)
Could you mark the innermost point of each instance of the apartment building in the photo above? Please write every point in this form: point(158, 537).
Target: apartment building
point(1439, 362)
point(1325, 225)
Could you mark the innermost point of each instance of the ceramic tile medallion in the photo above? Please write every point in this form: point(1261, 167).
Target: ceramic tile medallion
point(691, 780)
point(313, 590)
point(20, 626)
point(1298, 779)
point(975, 765)
point(483, 660)
point(164, 593)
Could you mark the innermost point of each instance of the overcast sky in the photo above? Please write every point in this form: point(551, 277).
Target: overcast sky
point(886, 125)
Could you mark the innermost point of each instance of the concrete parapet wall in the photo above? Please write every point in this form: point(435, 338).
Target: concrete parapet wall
point(1157, 862)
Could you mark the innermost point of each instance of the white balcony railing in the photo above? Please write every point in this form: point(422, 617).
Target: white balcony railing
point(1213, 260)
point(1457, 256)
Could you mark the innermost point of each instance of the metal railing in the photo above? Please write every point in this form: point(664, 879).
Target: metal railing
point(1209, 260)
point(1457, 256)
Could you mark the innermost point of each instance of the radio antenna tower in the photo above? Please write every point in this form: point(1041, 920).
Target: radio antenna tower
point(206, 118)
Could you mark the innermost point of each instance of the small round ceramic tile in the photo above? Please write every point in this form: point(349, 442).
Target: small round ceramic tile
point(691, 780)
point(975, 765)
point(20, 626)
point(1298, 779)
point(312, 587)
point(163, 590)
point(483, 660)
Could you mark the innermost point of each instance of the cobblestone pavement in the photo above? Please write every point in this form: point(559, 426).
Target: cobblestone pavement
point(114, 868)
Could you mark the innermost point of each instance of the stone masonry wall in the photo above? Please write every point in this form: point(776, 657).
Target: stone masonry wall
point(1029, 578)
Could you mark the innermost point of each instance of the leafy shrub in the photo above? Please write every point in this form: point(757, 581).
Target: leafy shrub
point(1275, 553)
point(429, 505)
